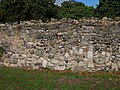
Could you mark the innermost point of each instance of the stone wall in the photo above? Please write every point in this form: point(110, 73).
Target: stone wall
point(83, 45)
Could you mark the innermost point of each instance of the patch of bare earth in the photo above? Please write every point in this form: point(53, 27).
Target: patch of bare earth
point(92, 82)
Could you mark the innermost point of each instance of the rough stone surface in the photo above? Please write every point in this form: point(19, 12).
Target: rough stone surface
point(83, 45)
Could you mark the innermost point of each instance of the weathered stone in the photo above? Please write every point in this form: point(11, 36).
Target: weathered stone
point(91, 64)
point(67, 55)
point(51, 56)
point(61, 63)
point(118, 64)
point(90, 55)
point(90, 44)
point(15, 61)
point(103, 53)
point(114, 67)
point(61, 57)
point(60, 67)
point(44, 64)
point(81, 66)
point(108, 63)
point(119, 49)
point(14, 56)
point(80, 51)
point(54, 61)
point(104, 18)
point(91, 48)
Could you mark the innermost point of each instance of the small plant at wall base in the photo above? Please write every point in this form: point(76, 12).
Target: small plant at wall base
point(2, 50)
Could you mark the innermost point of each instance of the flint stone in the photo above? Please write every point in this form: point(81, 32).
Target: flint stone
point(91, 48)
point(75, 50)
point(60, 67)
point(61, 57)
point(51, 56)
point(80, 51)
point(49, 64)
point(91, 64)
point(108, 63)
point(79, 67)
point(15, 61)
point(119, 49)
point(114, 67)
point(24, 55)
point(118, 64)
point(28, 64)
point(103, 53)
point(54, 61)
point(104, 18)
point(108, 54)
point(107, 59)
point(99, 60)
point(61, 63)
point(71, 52)
point(67, 55)
point(14, 56)
point(10, 53)
point(44, 64)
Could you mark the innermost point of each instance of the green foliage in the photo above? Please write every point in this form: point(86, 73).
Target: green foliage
point(20, 10)
point(108, 8)
point(75, 10)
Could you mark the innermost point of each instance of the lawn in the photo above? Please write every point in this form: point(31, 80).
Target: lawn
point(21, 79)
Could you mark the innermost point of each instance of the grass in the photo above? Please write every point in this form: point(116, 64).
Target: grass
point(21, 79)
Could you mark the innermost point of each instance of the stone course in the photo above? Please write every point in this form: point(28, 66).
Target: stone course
point(79, 45)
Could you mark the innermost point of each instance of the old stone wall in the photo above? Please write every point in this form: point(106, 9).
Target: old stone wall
point(83, 45)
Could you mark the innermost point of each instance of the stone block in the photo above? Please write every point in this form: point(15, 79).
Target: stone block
point(114, 67)
point(90, 55)
point(60, 67)
point(67, 55)
point(44, 64)
point(54, 61)
point(91, 64)
point(80, 51)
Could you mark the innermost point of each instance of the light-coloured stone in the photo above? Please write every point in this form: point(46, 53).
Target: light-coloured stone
point(24, 55)
point(108, 63)
point(119, 49)
point(60, 67)
point(108, 54)
point(44, 64)
point(103, 53)
point(49, 64)
point(61, 57)
point(104, 18)
point(54, 61)
point(61, 63)
point(71, 52)
point(81, 66)
point(90, 55)
point(75, 50)
point(91, 64)
point(67, 55)
point(91, 48)
point(118, 64)
point(10, 53)
point(14, 56)
point(107, 59)
point(80, 51)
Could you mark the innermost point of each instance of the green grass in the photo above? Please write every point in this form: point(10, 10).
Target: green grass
point(20, 79)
